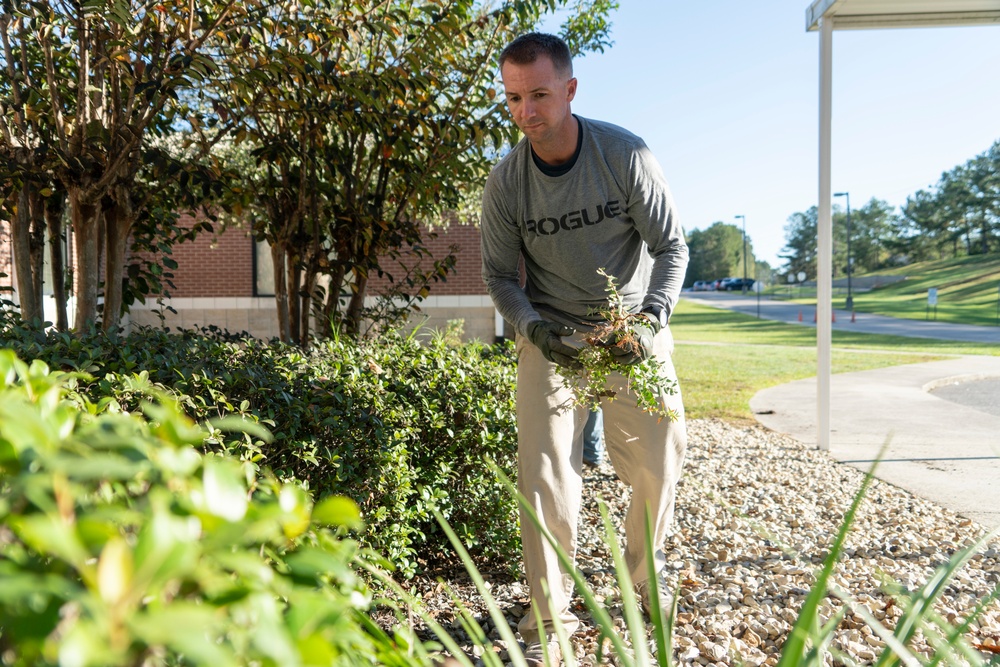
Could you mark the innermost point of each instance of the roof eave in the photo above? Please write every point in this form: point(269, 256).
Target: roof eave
point(828, 8)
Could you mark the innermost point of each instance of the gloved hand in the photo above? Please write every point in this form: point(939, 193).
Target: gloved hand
point(630, 350)
point(547, 337)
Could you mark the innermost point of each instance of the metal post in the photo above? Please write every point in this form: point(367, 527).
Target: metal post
point(824, 233)
point(850, 265)
point(744, 290)
point(756, 285)
point(850, 268)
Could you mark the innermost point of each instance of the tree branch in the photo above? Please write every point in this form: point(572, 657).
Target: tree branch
point(54, 97)
point(19, 119)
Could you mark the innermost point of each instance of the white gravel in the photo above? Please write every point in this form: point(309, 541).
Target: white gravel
point(756, 514)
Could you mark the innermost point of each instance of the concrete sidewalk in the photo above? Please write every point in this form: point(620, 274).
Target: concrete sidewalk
point(939, 450)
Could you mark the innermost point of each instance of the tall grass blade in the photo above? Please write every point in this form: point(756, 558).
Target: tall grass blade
point(663, 628)
point(417, 606)
point(630, 606)
point(565, 646)
point(794, 649)
point(886, 635)
point(598, 613)
point(919, 605)
point(963, 627)
point(475, 632)
point(516, 657)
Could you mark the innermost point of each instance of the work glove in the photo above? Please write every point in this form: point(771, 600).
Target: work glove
point(632, 349)
point(547, 337)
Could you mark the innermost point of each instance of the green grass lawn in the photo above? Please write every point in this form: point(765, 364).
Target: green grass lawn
point(724, 358)
point(968, 291)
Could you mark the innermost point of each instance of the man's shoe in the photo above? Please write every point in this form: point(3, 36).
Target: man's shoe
point(666, 599)
point(593, 463)
point(534, 653)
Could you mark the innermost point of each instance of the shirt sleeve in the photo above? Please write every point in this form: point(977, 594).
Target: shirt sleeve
point(652, 208)
point(501, 250)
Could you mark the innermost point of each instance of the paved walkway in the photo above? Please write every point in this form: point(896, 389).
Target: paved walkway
point(863, 322)
point(938, 449)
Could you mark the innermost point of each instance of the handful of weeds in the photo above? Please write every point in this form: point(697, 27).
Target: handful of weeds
point(646, 379)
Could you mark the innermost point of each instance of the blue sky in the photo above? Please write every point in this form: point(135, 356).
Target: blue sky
point(726, 95)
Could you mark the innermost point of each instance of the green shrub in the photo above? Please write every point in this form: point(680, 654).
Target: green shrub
point(122, 544)
point(393, 424)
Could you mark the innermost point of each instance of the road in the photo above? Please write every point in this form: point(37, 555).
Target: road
point(795, 313)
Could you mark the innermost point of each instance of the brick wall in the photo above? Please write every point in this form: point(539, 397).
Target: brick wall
point(214, 285)
point(467, 276)
point(222, 265)
point(213, 265)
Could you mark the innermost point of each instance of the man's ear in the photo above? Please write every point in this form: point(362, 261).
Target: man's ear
point(571, 89)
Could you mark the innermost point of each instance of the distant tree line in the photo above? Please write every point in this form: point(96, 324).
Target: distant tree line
point(329, 127)
point(958, 216)
point(717, 252)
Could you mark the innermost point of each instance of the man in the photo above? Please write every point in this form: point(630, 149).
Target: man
point(574, 196)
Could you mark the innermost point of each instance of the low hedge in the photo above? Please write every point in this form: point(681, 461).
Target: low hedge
point(396, 425)
point(121, 544)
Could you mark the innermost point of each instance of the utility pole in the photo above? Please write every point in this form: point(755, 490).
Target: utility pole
point(850, 269)
point(744, 290)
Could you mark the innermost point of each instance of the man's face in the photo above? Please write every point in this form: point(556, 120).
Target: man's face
point(538, 97)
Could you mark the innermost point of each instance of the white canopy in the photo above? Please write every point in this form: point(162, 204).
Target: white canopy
point(825, 16)
point(864, 14)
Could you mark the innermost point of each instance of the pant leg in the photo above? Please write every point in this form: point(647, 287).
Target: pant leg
point(549, 455)
point(647, 454)
point(593, 437)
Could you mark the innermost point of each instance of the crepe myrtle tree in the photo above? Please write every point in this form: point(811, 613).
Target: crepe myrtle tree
point(106, 76)
point(364, 119)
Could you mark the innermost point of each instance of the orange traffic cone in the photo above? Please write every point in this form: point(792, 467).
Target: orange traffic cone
point(833, 315)
point(814, 316)
point(852, 316)
point(800, 316)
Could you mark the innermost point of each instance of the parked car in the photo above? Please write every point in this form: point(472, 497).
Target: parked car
point(720, 284)
point(734, 284)
point(701, 286)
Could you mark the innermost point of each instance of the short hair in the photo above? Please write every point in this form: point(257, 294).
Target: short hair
point(528, 47)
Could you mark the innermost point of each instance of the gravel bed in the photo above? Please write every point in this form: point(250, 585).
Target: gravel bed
point(756, 514)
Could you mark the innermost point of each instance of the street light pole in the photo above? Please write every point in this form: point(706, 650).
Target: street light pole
point(744, 290)
point(850, 269)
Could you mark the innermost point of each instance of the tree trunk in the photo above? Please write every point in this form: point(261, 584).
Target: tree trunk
point(54, 207)
point(280, 291)
point(353, 316)
point(294, 298)
point(118, 225)
point(85, 217)
point(308, 301)
point(31, 307)
point(331, 310)
point(38, 250)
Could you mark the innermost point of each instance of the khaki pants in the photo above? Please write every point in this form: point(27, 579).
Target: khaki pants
point(647, 455)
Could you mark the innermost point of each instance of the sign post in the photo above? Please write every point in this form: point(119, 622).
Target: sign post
point(931, 302)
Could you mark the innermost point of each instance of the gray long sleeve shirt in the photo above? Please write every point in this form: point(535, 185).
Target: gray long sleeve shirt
point(612, 209)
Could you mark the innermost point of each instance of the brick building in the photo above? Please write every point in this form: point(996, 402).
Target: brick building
point(225, 280)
